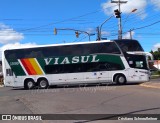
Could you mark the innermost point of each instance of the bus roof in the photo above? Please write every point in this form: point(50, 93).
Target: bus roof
point(64, 44)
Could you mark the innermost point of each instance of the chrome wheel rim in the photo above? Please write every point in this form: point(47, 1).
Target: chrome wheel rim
point(43, 84)
point(121, 79)
point(30, 84)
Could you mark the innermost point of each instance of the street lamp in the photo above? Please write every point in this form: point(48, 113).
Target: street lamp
point(128, 16)
point(100, 28)
point(134, 10)
point(130, 31)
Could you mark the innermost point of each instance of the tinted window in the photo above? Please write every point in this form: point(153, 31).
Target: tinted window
point(9, 72)
point(129, 45)
point(82, 67)
point(77, 49)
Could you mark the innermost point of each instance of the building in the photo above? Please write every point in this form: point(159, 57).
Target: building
point(157, 64)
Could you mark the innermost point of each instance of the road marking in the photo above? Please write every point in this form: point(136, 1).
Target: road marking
point(150, 85)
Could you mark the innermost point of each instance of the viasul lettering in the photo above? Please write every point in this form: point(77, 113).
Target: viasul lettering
point(71, 60)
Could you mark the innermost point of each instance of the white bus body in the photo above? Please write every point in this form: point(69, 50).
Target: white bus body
point(73, 63)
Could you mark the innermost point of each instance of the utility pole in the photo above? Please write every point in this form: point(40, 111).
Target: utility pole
point(119, 2)
point(98, 34)
point(130, 32)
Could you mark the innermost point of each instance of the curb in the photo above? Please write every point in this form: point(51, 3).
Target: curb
point(1, 86)
point(151, 85)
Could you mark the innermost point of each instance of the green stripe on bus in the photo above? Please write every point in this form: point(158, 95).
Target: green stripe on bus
point(16, 68)
point(111, 58)
point(80, 59)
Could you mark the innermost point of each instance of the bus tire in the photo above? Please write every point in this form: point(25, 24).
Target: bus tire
point(29, 84)
point(43, 83)
point(120, 79)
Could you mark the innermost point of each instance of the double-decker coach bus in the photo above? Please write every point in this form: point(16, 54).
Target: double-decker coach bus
point(118, 61)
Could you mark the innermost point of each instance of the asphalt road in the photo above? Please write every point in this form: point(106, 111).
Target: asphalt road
point(96, 99)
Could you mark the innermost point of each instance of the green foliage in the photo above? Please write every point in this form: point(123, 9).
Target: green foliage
point(159, 72)
point(156, 55)
point(156, 73)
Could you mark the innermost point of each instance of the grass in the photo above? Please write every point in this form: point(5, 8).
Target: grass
point(155, 74)
point(155, 77)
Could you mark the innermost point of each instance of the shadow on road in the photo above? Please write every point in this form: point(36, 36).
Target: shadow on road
point(81, 85)
point(132, 114)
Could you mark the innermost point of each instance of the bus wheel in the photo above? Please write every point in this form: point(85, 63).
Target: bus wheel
point(29, 84)
point(120, 79)
point(43, 83)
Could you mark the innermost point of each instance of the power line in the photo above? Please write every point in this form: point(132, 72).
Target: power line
point(147, 25)
point(59, 21)
point(139, 28)
point(70, 19)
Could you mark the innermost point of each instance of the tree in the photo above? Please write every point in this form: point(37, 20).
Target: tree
point(156, 55)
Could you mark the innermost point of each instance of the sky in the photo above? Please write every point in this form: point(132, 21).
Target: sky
point(25, 23)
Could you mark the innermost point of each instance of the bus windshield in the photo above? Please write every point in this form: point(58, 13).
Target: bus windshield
point(136, 61)
point(129, 45)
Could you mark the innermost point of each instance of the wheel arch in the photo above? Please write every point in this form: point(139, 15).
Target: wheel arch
point(36, 80)
point(26, 79)
point(41, 78)
point(45, 82)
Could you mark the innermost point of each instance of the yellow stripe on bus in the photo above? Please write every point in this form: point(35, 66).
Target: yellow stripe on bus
point(36, 66)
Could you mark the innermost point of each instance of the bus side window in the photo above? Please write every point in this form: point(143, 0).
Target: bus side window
point(9, 72)
point(102, 67)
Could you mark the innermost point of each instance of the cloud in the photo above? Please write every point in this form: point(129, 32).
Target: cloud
point(108, 7)
point(105, 33)
point(90, 30)
point(9, 35)
point(156, 3)
point(16, 45)
point(156, 46)
point(128, 36)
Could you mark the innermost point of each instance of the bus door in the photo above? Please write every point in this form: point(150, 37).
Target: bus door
point(136, 75)
point(9, 78)
point(142, 71)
